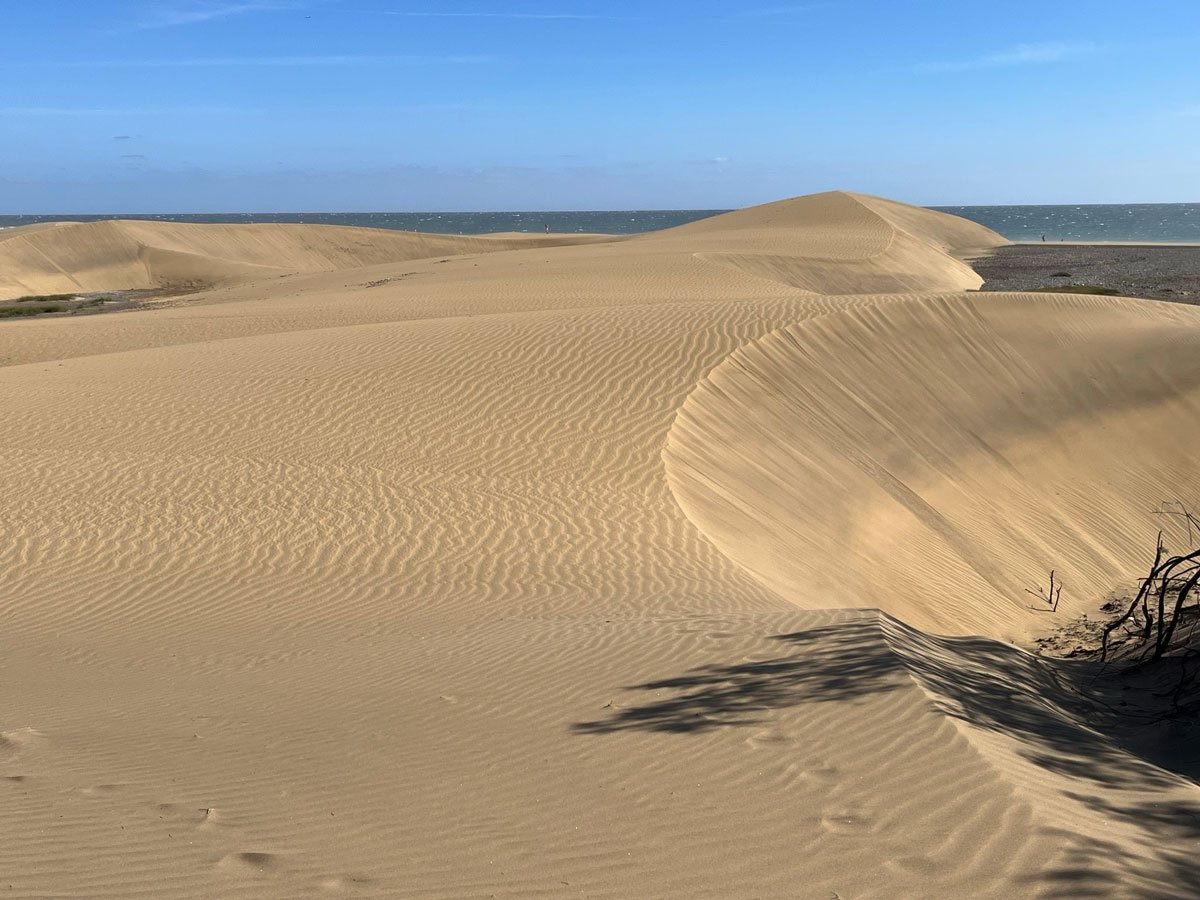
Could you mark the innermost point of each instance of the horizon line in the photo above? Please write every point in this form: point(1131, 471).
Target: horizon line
point(468, 212)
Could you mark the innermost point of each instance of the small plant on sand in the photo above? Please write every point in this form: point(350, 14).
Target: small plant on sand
point(11, 312)
point(1050, 597)
point(1155, 633)
point(45, 298)
point(1161, 602)
point(1145, 647)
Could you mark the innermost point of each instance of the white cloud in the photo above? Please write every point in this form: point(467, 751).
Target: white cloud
point(1019, 55)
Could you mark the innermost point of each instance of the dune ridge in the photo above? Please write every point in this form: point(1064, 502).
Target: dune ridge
point(843, 243)
point(597, 568)
point(120, 255)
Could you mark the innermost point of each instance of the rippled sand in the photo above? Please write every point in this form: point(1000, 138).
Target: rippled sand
point(440, 567)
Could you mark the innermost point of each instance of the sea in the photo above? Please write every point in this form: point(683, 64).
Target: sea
point(1136, 222)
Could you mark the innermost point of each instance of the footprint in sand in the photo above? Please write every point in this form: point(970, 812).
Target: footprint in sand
point(18, 738)
point(202, 817)
point(250, 862)
point(768, 737)
point(210, 819)
point(846, 822)
point(342, 884)
point(916, 865)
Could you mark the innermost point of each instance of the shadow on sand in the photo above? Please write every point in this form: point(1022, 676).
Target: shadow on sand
point(832, 662)
point(992, 686)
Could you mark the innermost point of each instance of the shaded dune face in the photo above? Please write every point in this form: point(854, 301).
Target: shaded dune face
point(935, 456)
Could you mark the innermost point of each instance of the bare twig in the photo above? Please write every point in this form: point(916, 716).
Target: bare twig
point(1050, 599)
point(1139, 599)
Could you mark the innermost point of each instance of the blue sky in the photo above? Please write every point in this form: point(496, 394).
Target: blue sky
point(305, 105)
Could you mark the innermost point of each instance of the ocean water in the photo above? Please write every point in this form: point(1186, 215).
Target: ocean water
point(1150, 222)
point(607, 222)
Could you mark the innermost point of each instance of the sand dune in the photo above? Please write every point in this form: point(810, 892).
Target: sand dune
point(601, 570)
point(117, 255)
point(842, 243)
point(934, 456)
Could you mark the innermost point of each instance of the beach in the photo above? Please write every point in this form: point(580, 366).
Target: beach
point(1159, 271)
point(695, 563)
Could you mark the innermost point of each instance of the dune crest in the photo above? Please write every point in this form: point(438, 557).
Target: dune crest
point(842, 243)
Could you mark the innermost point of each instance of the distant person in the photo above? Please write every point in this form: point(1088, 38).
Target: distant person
point(547, 229)
point(1043, 239)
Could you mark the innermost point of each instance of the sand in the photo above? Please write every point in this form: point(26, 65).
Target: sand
point(118, 255)
point(687, 565)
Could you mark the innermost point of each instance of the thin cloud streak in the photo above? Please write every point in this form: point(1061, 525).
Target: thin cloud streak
point(103, 112)
point(789, 10)
point(176, 14)
point(1020, 55)
point(231, 61)
point(408, 14)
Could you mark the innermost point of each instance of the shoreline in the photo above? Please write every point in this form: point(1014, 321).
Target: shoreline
point(1105, 243)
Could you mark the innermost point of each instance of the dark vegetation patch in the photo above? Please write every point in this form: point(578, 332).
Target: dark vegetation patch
point(73, 304)
point(12, 312)
point(1077, 289)
point(46, 298)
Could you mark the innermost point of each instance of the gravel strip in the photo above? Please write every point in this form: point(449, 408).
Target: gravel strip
point(1161, 273)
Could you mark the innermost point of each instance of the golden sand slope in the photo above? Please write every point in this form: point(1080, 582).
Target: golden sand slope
point(317, 586)
point(936, 455)
point(119, 255)
point(841, 243)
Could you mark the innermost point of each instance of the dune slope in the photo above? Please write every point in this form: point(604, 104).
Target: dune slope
point(841, 243)
point(116, 255)
point(911, 453)
point(506, 576)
